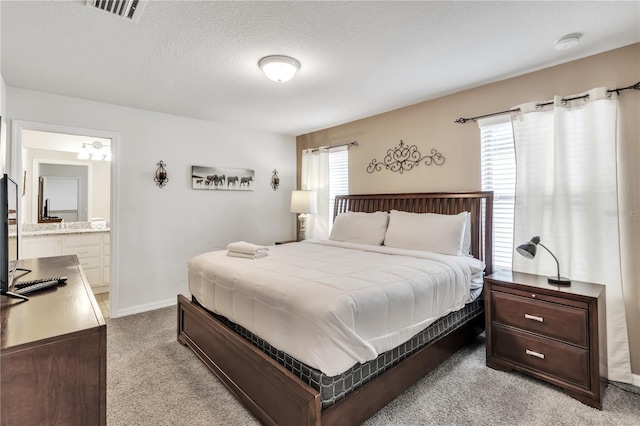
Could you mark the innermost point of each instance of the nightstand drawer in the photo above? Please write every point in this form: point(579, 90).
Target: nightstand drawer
point(560, 322)
point(544, 356)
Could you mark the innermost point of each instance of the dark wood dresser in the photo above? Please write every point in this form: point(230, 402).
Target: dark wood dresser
point(554, 333)
point(53, 363)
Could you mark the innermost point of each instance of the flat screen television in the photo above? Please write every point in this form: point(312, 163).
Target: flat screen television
point(9, 249)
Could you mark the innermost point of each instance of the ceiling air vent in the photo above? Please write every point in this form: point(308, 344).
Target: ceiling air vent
point(127, 9)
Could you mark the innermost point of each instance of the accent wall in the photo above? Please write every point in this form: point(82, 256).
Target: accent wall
point(430, 125)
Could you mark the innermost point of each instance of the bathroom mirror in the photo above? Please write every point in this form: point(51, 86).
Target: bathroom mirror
point(60, 199)
point(62, 192)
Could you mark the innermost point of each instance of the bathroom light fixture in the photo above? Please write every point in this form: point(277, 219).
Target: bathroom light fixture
point(568, 41)
point(529, 249)
point(95, 151)
point(279, 68)
point(84, 154)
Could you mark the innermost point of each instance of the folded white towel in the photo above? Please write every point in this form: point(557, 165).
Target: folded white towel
point(246, 248)
point(258, 255)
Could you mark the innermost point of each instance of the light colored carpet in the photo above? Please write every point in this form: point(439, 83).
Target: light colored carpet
point(153, 380)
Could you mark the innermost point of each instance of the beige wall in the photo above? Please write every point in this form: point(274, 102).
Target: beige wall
point(430, 125)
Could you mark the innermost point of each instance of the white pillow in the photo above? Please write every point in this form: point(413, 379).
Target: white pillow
point(361, 228)
point(466, 243)
point(438, 233)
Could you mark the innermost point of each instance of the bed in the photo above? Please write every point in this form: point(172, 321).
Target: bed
point(280, 389)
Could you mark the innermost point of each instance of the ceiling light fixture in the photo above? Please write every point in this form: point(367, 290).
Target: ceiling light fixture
point(279, 68)
point(568, 41)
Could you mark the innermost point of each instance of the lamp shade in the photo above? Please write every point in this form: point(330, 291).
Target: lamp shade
point(279, 68)
point(530, 248)
point(303, 202)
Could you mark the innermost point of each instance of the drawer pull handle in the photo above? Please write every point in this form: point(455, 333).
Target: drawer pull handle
point(533, 317)
point(536, 354)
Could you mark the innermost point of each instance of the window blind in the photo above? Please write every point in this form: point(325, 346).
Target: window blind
point(498, 168)
point(338, 177)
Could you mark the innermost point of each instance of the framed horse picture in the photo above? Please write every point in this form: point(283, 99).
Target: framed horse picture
point(222, 178)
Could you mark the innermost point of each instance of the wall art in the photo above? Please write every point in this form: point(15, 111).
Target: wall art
point(222, 178)
point(404, 158)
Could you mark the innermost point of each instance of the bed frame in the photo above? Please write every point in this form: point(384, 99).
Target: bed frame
point(276, 396)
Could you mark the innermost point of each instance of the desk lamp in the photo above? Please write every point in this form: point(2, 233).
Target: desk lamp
point(529, 249)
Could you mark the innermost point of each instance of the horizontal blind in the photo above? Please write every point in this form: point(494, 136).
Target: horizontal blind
point(498, 165)
point(338, 178)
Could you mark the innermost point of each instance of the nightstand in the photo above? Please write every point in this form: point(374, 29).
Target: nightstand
point(285, 242)
point(554, 333)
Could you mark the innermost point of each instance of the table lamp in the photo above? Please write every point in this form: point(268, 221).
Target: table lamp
point(303, 203)
point(529, 249)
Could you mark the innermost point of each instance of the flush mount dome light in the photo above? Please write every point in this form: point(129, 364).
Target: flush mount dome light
point(568, 41)
point(279, 68)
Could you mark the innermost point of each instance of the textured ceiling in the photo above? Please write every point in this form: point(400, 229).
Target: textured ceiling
point(199, 59)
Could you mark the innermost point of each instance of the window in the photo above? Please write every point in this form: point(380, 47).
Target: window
point(338, 178)
point(498, 169)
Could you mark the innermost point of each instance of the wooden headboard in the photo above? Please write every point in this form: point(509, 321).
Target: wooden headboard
point(434, 202)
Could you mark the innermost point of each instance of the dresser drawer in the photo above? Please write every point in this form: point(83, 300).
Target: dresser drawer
point(82, 240)
point(88, 263)
point(560, 322)
point(566, 362)
point(83, 252)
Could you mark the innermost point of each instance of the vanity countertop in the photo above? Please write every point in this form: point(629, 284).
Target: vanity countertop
point(47, 233)
point(52, 229)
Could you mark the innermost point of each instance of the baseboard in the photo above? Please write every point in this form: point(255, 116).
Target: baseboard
point(143, 308)
point(635, 380)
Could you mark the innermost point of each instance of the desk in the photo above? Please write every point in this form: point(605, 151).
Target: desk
point(53, 353)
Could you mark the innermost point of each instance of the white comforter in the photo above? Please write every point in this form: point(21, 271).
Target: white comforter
point(330, 304)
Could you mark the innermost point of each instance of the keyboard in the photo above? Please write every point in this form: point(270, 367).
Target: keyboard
point(38, 286)
point(23, 284)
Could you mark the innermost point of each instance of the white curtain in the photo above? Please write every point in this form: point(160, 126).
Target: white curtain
point(315, 177)
point(567, 193)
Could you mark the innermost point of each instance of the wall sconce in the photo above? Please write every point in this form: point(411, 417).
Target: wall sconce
point(275, 180)
point(161, 178)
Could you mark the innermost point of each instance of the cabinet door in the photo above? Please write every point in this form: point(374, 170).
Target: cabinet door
point(88, 248)
point(41, 247)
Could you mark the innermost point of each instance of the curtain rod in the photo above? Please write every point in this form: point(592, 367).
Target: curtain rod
point(463, 120)
point(328, 148)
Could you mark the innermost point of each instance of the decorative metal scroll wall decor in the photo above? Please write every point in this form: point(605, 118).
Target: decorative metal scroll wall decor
point(404, 158)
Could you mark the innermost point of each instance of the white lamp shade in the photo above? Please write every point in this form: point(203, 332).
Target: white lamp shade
point(303, 202)
point(279, 68)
